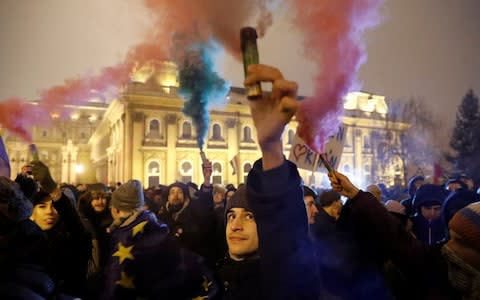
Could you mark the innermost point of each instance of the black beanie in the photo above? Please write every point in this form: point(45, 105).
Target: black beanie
point(327, 197)
point(427, 195)
point(238, 200)
point(40, 197)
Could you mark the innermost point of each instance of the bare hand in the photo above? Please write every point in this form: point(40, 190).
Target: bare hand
point(273, 111)
point(341, 184)
point(207, 172)
point(42, 175)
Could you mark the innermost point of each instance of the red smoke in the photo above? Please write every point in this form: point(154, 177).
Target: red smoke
point(184, 20)
point(332, 32)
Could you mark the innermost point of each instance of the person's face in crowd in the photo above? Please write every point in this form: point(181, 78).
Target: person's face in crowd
point(469, 182)
point(336, 209)
point(418, 184)
point(157, 199)
point(99, 203)
point(452, 187)
point(312, 210)
point(229, 195)
point(241, 232)
point(176, 196)
point(218, 197)
point(115, 213)
point(45, 215)
point(149, 194)
point(431, 212)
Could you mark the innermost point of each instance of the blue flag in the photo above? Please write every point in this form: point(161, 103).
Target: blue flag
point(4, 161)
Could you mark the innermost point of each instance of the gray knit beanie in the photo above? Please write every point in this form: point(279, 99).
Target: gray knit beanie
point(238, 200)
point(128, 196)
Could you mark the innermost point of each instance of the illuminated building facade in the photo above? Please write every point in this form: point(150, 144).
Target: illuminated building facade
point(143, 134)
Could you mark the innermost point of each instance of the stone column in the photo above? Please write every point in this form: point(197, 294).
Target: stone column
point(171, 168)
point(233, 142)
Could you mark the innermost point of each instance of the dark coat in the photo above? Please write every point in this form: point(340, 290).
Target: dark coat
point(196, 226)
point(48, 263)
point(430, 233)
point(96, 224)
point(146, 263)
point(23, 260)
point(240, 279)
point(342, 263)
point(287, 264)
point(422, 266)
point(70, 249)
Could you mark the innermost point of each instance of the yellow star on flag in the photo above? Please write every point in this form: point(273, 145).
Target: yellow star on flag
point(138, 228)
point(123, 253)
point(125, 281)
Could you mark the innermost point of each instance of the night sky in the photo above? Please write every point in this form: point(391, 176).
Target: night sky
point(428, 49)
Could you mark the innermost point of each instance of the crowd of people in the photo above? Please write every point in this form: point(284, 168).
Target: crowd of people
point(271, 238)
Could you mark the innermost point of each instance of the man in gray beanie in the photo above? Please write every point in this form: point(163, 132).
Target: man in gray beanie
point(128, 196)
point(144, 262)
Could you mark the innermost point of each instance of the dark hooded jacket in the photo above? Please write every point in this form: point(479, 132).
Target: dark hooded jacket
point(409, 209)
point(45, 263)
point(287, 265)
point(96, 223)
point(194, 224)
point(457, 200)
point(434, 231)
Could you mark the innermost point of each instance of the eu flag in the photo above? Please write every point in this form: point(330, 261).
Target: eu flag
point(4, 161)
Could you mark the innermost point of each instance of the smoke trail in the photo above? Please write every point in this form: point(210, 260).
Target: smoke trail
point(333, 31)
point(200, 85)
point(201, 20)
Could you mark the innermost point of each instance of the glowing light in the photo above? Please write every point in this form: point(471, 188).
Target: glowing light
point(79, 168)
point(365, 102)
point(75, 116)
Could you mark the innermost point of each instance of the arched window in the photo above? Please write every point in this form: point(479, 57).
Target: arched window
point(346, 168)
point(153, 174)
point(291, 135)
point(247, 134)
point(217, 177)
point(154, 129)
point(216, 133)
point(186, 171)
point(186, 130)
point(44, 133)
point(246, 169)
